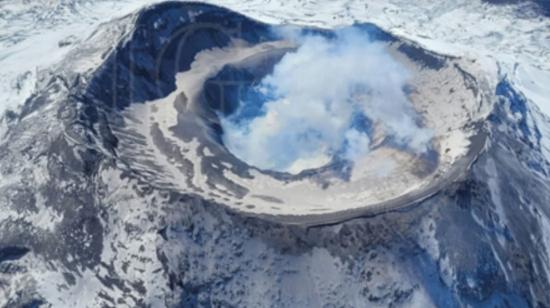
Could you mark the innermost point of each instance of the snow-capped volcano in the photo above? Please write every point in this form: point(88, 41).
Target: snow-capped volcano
point(120, 184)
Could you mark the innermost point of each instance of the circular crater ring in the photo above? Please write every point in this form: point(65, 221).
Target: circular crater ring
point(169, 157)
point(457, 173)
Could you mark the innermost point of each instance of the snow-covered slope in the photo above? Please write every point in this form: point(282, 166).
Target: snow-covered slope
point(78, 228)
point(37, 34)
point(34, 35)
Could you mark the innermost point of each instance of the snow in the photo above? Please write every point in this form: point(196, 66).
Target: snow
point(494, 189)
point(28, 31)
point(463, 28)
point(29, 36)
point(545, 241)
point(421, 299)
point(534, 83)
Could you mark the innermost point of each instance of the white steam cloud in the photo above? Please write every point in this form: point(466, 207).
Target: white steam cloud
point(318, 91)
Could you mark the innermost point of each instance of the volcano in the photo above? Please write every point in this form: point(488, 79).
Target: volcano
point(187, 155)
